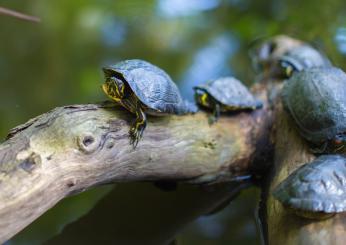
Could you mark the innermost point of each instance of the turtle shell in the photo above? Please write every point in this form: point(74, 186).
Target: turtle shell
point(304, 57)
point(316, 99)
point(319, 186)
point(153, 86)
point(230, 91)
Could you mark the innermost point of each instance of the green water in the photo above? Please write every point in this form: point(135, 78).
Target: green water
point(57, 62)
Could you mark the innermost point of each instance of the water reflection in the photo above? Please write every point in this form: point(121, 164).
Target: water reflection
point(210, 227)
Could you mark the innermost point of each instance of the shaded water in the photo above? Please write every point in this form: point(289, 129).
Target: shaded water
point(58, 61)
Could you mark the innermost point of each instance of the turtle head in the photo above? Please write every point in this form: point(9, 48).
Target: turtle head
point(202, 97)
point(339, 142)
point(114, 88)
point(287, 68)
point(262, 54)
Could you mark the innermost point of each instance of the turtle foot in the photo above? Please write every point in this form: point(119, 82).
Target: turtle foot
point(212, 120)
point(136, 133)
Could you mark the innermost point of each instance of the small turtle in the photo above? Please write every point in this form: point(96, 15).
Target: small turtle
point(316, 99)
point(265, 57)
point(225, 94)
point(141, 88)
point(302, 57)
point(316, 189)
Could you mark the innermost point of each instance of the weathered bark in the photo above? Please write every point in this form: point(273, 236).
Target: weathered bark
point(73, 148)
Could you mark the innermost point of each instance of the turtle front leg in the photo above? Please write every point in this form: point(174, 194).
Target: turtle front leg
point(216, 114)
point(137, 128)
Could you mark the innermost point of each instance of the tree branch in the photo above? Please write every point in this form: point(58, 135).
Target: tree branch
point(18, 15)
point(73, 148)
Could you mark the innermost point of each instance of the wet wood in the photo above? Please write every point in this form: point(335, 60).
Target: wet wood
point(73, 148)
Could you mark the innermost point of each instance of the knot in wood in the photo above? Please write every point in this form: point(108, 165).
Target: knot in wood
point(87, 143)
point(30, 163)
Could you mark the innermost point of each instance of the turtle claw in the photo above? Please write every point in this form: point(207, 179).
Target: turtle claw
point(134, 137)
point(137, 128)
point(212, 120)
point(136, 134)
point(216, 114)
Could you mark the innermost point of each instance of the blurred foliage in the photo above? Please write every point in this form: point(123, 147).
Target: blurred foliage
point(58, 61)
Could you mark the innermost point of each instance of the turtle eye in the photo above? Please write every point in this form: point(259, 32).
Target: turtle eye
point(337, 142)
point(120, 88)
point(339, 139)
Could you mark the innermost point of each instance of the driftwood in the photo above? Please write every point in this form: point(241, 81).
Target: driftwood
point(73, 148)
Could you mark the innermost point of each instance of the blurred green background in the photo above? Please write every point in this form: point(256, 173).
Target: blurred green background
point(57, 62)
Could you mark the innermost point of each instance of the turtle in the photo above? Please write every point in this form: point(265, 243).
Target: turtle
point(265, 57)
point(302, 57)
point(317, 189)
point(316, 100)
point(143, 88)
point(225, 94)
